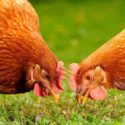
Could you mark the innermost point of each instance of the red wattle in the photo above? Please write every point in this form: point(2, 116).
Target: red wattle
point(98, 93)
point(39, 91)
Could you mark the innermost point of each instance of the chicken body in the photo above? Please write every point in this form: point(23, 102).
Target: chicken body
point(101, 70)
point(21, 48)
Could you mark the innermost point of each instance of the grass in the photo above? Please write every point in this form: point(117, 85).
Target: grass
point(72, 30)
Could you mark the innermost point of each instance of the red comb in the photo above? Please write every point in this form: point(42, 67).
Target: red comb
point(72, 80)
point(60, 72)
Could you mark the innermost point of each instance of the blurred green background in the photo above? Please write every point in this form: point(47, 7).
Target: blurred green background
point(72, 29)
point(75, 28)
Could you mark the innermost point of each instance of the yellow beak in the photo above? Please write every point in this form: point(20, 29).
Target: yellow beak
point(55, 96)
point(79, 98)
point(82, 99)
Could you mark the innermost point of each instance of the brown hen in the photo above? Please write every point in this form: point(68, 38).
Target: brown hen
point(26, 62)
point(101, 70)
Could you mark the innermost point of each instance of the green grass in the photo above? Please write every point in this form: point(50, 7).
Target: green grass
point(72, 30)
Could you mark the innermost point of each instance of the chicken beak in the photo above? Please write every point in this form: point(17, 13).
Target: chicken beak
point(85, 97)
point(79, 98)
point(55, 96)
point(82, 99)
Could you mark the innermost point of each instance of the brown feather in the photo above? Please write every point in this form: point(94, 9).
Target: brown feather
point(21, 46)
point(111, 57)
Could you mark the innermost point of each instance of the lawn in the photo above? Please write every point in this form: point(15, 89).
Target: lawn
point(72, 29)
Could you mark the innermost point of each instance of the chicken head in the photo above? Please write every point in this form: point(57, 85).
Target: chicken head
point(42, 83)
point(93, 83)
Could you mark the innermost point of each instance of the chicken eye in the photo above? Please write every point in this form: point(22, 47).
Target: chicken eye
point(88, 77)
point(47, 77)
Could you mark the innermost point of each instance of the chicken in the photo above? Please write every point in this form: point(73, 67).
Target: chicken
point(100, 71)
point(26, 62)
